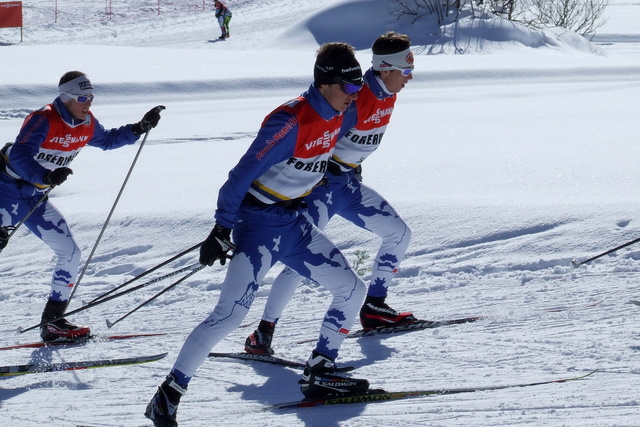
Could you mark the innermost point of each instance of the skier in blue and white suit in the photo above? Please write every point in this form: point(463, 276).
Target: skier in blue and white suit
point(49, 140)
point(345, 195)
point(259, 201)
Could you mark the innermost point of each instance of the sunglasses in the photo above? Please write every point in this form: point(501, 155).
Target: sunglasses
point(349, 88)
point(405, 71)
point(82, 99)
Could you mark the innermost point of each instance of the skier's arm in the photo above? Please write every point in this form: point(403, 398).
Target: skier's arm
point(265, 151)
point(27, 144)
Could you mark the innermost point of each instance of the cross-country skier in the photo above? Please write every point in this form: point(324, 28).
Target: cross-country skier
point(345, 195)
point(50, 138)
point(259, 201)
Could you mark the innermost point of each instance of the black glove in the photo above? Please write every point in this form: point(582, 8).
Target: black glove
point(357, 173)
point(149, 121)
point(4, 237)
point(57, 176)
point(217, 246)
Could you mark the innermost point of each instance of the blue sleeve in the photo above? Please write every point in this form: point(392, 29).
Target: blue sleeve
point(265, 151)
point(109, 139)
point(31, 136)
point(350, 120)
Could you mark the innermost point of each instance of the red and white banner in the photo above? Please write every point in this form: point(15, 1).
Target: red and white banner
point(11, 14)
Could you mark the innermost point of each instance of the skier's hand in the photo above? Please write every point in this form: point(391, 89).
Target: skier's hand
point(357, 173)
point(217, 246)
point(4, 238)
point(149, 121)
point(57, 176)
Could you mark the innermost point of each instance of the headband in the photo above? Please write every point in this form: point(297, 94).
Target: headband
point(78, 86)
point(403, 59)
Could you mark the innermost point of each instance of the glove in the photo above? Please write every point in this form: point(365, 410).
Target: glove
point(357, 173)
point(4, 237)
point(217, 246)
point(149, 121)
point(57, 176)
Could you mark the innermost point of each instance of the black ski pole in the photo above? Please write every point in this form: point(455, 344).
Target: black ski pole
point(151, 270)
point(33, 209)
point(196, 268)
point(103, 300)
point(575, 263)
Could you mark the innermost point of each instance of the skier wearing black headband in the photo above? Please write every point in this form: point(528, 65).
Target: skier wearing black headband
point(260, 202)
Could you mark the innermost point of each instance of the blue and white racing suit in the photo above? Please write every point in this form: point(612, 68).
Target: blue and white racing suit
point(345, 195)
point(288, 157)
point(50, 138)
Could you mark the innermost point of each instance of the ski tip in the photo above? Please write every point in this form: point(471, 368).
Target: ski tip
point(154, 358)
point(579, 377)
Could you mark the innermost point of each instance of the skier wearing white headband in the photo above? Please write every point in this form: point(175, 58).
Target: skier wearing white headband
point(345, 195)
point(49, 140)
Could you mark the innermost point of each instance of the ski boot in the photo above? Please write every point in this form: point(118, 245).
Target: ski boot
point(163, 408)
point(259, 342)
point(319, 379)
point(376, 313)
point(61, 329)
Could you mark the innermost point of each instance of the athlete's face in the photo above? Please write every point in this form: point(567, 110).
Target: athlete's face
point(394, 80)
point(337, 97)
point(77, 109)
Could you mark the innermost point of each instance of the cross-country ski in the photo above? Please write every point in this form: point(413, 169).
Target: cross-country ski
point(418, 325)
point(379, 395)
point(265, 358)
point(38, 368)
point(80, 341)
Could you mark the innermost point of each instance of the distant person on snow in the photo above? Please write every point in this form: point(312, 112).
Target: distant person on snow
point(224, 16)
point(50, 138)
point(260, 202)
point(345, 195)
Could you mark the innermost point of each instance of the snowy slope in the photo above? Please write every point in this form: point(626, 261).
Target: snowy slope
point(507, 162)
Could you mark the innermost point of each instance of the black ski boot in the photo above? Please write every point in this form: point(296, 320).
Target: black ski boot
point(319, 379)
point(61, 329)
point(163, 408)
point(259, 342)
